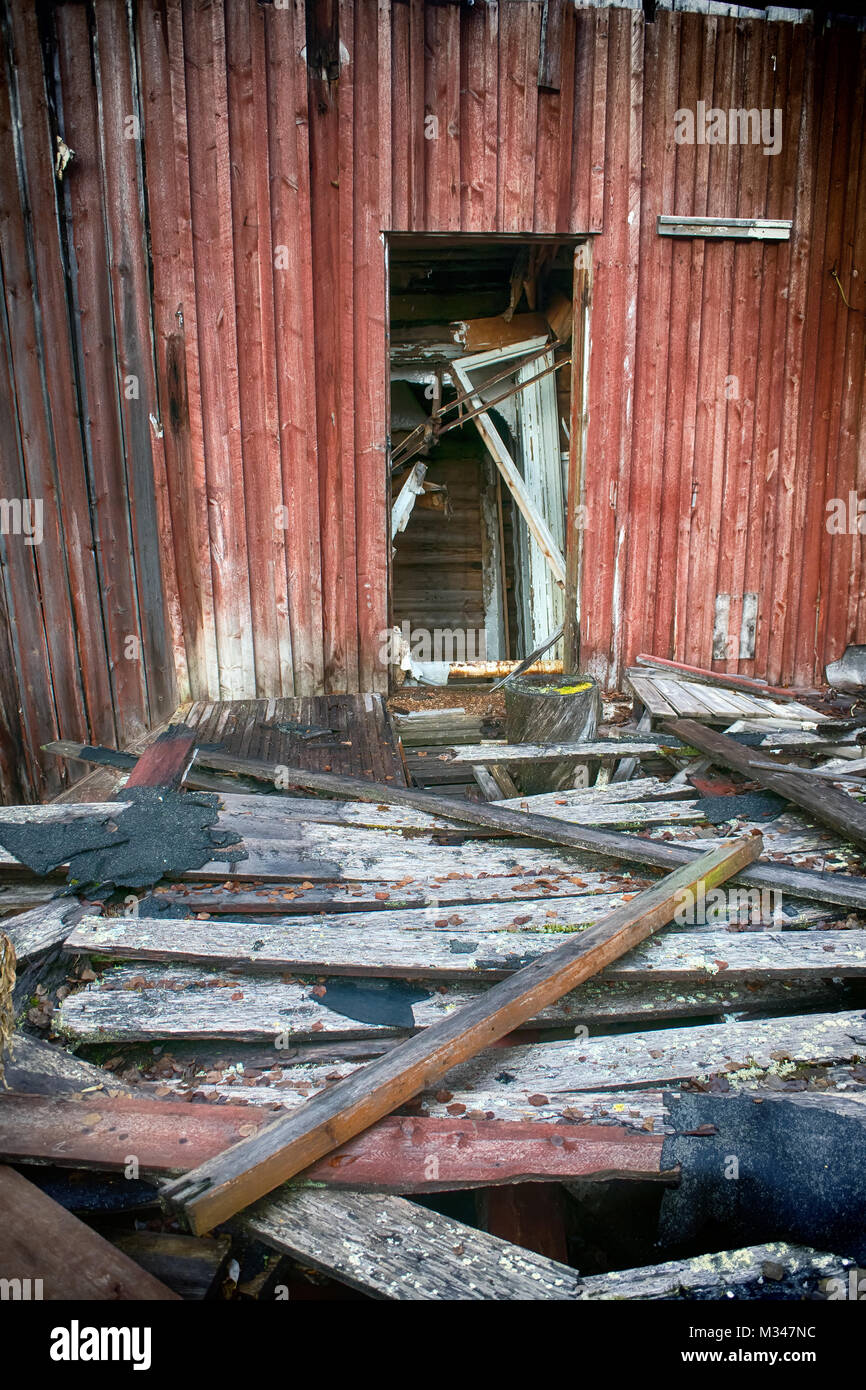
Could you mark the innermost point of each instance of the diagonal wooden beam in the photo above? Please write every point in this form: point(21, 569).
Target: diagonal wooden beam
point(826, 803)
point(223, 1186)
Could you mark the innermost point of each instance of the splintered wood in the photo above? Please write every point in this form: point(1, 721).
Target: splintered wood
point(218, 1189)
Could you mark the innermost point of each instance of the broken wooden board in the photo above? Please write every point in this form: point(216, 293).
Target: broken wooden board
point(397, 1154)
point(730, 1273)
point(365, 946)
point(38, 931)
point(219, 1188)
point(832, 807)
point(609, 843)
point(394, 1249)
point(483, 754)
point(48, 1249)
point(189, 1265)
point(165, 762)
point(440, 1245)
point(143, 1002)
point(599, 1079)
point(666, 697)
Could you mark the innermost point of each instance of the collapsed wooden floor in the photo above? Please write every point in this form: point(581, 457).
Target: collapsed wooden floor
point(249, 987)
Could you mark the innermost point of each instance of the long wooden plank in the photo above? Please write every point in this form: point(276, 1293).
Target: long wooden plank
point(394, 1249)
point(398, 1154)
point(603, 1077)
point(844, 889)
point(484, 754)
point(146, 1002)
point(452, 953)
point(213, 1193)
point(611, 844)
point(43, 1242)
point(536, 523)
point(826, 803)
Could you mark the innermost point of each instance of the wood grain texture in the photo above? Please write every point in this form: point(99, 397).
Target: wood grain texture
point(253, 1169)
point(42, 1241)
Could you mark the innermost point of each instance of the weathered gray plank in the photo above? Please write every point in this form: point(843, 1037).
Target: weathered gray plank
point(727, 1272)
point(340, 947)
point(394, 1249)
point(151, 1002)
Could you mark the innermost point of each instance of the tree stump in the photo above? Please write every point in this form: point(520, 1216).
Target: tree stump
point(541, 709)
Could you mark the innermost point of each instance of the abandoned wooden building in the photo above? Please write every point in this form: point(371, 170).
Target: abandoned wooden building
point(432, 444)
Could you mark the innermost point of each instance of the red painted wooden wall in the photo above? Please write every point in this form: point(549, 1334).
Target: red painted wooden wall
point(726, 380)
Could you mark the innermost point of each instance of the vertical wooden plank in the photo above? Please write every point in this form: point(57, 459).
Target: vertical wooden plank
point(62, 569)
point(442, 117)
point(213, 258)
point(167, 175)
point(331, 146)
point(98, 376)
point(698, 56)
point(520, 30)
point(289, 153)
point(415, 117)
point(739, 386)
point(847, 569)
point(829, 309)
point(256, 345)
point(650, 579)
point(807, 237)
point(371, 383)
point(770, 364)
point(712, 366)
point(400, 124)
point(784, 201)
point(126, 237)
point(612, 356)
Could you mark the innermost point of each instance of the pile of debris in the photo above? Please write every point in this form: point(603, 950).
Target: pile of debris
point(427, 1034)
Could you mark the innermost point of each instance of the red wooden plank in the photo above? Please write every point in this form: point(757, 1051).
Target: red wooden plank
point(769, 376)
point(371, 379)
point(401, 136)
point(398, 1154)
point(650, 584)
point(166, 760)
point(289, 154)
point(781, 565)
point(121, 154)
point(699, 612)
point(99, 375)
point(612, 357)
point(739, 388)
point(830, 461)
point(185, 506)
point(697, 62)
point(44, 379)
point(442, 117)
point(29, 667)
point(254, 290)
point(209, 157)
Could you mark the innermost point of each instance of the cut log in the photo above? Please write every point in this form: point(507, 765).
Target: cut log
point(540, 711)
point(217, 1190)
